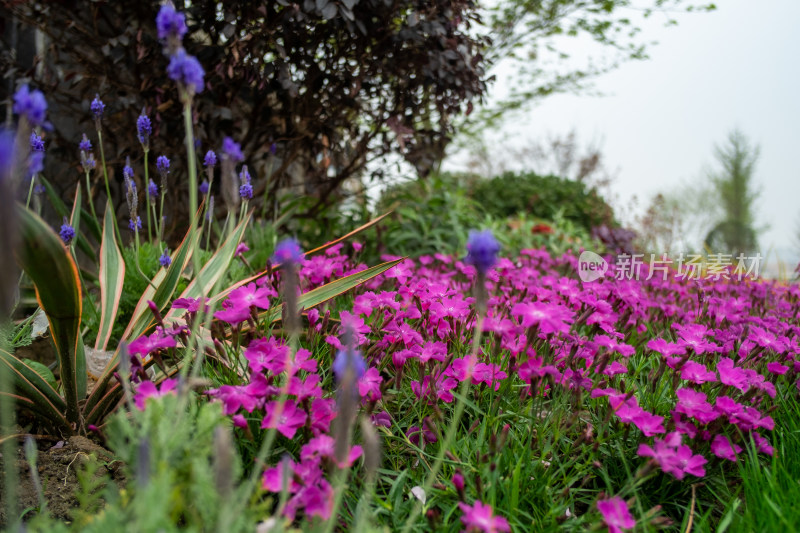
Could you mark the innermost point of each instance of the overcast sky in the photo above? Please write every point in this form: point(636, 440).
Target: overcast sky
point(659, 119)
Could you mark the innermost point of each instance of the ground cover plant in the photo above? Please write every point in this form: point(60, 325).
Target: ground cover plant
point(481, 390)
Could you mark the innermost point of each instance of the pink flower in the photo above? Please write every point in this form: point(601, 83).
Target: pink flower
point(489, 374)
point(777, 368)
point(694, 404)
point(616, 514)
point(241, 300)
point(731, 375)
point(462, 368)
point(369, 386)
point(480, 517)
point(722, 447)
point(286, 418)
point(673, 457)
point(324, 446)
point(615, 368)
point(665, 348)
point(697, 373)
point(235, 397)
point(551, 318)
point(145, 345)
point(648, 423)
point(147, 389)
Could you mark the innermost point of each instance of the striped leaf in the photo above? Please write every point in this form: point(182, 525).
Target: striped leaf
point(216, 267)
point(52, 269)
point(43, 398)
point(112, 276)
point(166, 281)
point(330, 290)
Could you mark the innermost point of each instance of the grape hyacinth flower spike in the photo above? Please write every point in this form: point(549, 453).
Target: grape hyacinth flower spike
point(144, 130)
point(482, 249)
point(246, 188)
point(67, 232)
point(289, 255)
point(98, 108)
point(30, 104)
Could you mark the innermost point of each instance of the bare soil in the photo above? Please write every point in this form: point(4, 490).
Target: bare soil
point(57, 465)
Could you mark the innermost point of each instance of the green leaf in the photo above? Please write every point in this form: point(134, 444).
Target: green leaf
point(52, 269)
point(166, 281)
point(216, 267)
point(29, 384)
point(330, 290)
point(112, 276)
point(44, 372)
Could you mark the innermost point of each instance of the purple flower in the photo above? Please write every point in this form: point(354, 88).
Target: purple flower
point(232, 149)
point(30, 104)
point(97, 107)
point(170, 23)
point(186, 70)
point(144, 129)
point(288, 250)
point(211, 159)
point(203, 188)
point(88, 163)
point(37, 143)
point(162, 165)
point(137, 226)
point(348, 359)
point(85, 145)
point(35, 163)
point(67, 232)
point(165, 259)
point(482, 250)
point(245, 189)
point(127, 174)
point(152, 189)
point(6, 153)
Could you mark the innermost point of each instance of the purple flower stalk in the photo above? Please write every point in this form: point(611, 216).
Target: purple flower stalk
point(211, 159)
point(127, 172)
point(135, 226)
point(187, 71)
point(144, 130)
point(348, 359)
point(482, 250)
point(35, 163)
point(245, 189)
point(6, 153)
point(152, 190)
point(171, 24)
point(37, 143)
point(288, 251)
point(97, 107)
point(162, 165)
point(165, 259)
point(67, 232)
point(232, 149)
point(85, 145)
point(30, 104)
point(203, 188)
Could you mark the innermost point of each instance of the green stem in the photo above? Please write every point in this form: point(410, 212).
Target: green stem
point(30, 192)
point(160, 224)
point(89, 198)
point(147, 196)
point(192, 166)
point(105, 179)
point(136, 256)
